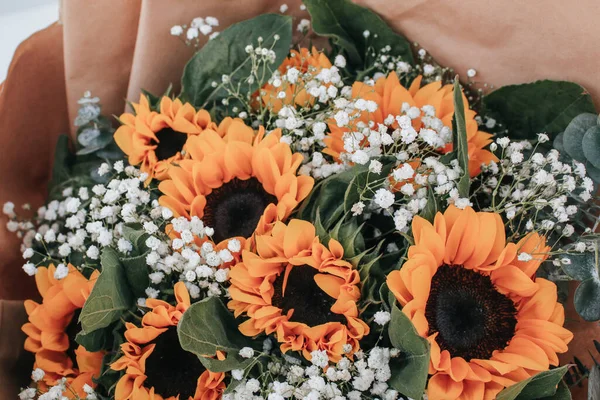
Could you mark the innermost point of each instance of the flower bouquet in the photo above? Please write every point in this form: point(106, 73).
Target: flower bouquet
point(334, 221)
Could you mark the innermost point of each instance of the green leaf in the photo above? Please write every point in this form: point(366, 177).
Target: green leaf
point(136, 271)
point(582, 266)
point(93, 341)
point(459, 138)
point(344, 22)
point(591, 145)
point(574, 133)
point(409, 371)
point(226, 55)
point(207, 327)
point(542, 106)
point(538, 386)
point(110, 296)
point(364, 178)
point(587, 299)
point(431, 208)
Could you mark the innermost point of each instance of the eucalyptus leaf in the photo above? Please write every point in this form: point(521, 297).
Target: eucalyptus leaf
point(409, 371)
point(543, 384)
point(226, 55)
point(538, 107)
point(587, 299)
point(591, 145)
point(581, 266)
point(574, 133)
point(110, 296)
point(345, 23)
point(207, 327)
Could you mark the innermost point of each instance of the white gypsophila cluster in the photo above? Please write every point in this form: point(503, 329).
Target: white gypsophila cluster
point(85, 221)
point(90, 220)
point(60, 391)
point(404, 193)
point(190, 256)
point(534, 191)
point(198, 28)
point(364, 377)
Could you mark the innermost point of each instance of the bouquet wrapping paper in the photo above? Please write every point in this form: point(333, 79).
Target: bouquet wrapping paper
point(116, 47)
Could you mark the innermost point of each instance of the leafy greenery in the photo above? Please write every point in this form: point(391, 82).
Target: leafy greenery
point(584, 267)
point(459, 137)
point(208, 327)
point(581, 142)
point(226, 55)
point(542, 385)
point(110, 297)
point(345, 22)
point(409, 371)
point(538, 107)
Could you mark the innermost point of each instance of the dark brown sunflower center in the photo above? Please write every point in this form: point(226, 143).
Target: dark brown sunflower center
point(473, 319)
point(171, 370)
point(310, 303)
point(169, 143)
point(235, 208)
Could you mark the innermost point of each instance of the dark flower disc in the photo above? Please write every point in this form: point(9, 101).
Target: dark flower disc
point(311, 304)
point(169, 143)
point(235, 208)
point(473, 319)
point(171, 370)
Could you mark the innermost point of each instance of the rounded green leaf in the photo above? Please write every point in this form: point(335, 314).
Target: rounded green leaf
point(591, 145)
point(574, 133)
point(582, 266)
point(587, 299)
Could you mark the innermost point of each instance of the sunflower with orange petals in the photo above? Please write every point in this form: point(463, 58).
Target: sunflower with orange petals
point(231, 178)
point(155, 365)
point(53, 325)
point(490, 322)
point(157, 139)
point(305, 61)
point(390, 96)
point(300, 290)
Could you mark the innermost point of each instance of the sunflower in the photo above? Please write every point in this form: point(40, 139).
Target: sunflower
point(389, 95)
point(299, 289)
point(155, 365)
point(53, 325)
point(232, 176)
point(490, 322)
point(305, 61)
point(156, 139)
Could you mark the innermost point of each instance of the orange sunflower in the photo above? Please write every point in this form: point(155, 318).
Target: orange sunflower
point(53, 325)
point(390, 95)
point(232, 176)
point(306, 62)
point(156, 139)
point(299, 289)
point(155, 365)
point(490, 322)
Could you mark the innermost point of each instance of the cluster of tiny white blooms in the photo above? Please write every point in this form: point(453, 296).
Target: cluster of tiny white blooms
point(198, 28)
point(404, 193)
point(382, 63)
point(190, 256)
point(60, 391)
point(85, 221)
point(363, 377)
point(533, 191)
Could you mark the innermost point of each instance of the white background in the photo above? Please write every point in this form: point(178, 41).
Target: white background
point(18, 20)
